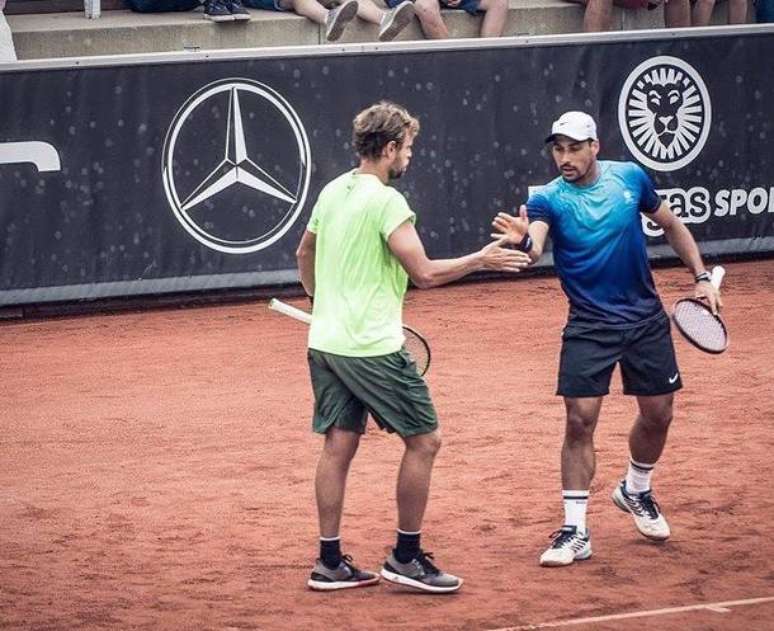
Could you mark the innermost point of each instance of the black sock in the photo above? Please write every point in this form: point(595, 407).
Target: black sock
point(408, 546)
point(330, 552)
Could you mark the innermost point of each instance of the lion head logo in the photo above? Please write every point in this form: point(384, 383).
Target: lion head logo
point(664, 112)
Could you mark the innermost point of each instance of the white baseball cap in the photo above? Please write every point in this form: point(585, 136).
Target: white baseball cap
point(575, 125)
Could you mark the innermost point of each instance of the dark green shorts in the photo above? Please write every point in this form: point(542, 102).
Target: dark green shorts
point(347, 389)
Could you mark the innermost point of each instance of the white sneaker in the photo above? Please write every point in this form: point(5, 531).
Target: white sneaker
point(338, 19)
point(568, 546)
point(645, 511)
point(395, 20)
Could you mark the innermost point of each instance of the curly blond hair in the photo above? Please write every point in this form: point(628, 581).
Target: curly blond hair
point(380, 124)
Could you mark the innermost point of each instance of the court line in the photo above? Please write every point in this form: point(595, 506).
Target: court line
point(719, 607)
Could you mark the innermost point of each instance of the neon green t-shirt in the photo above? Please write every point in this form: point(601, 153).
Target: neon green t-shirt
point(359, 284)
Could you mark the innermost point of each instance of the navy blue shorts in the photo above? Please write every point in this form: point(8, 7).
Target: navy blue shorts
point(646, 355)
point(471, 6)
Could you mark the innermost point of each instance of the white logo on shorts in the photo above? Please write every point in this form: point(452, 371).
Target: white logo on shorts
point(673, 379)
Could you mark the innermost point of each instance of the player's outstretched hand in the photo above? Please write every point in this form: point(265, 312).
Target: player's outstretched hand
point(512, 228)
point(502, 259)
point(708, 292)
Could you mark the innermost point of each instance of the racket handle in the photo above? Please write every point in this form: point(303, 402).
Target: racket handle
point(718, 272)
point(288, 310)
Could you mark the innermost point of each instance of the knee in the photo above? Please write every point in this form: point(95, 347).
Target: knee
point(656, 412)
point(579, 428)
point(428, 445)
point(341, 447)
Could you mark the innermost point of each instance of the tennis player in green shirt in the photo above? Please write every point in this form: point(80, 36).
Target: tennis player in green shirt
point(355, 257)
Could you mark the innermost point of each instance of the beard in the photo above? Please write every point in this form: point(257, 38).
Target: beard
point(396, 174)
point(571, 176)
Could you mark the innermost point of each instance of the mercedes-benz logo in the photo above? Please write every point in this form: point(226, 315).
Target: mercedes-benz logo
point(236, 166)
point(664, 113)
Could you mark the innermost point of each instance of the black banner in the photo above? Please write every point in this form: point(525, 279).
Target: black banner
point(182, 175)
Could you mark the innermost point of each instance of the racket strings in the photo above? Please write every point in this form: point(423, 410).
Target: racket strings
point(417, 348)
point(697, 322)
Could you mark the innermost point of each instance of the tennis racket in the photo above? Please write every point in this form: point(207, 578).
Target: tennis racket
point(415, 344)
point(698, 324)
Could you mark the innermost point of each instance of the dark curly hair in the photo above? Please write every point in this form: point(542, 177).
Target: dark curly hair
point(377, 126)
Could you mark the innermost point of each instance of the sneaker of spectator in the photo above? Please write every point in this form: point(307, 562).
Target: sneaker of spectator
point(214, 10)
point(238, 11)
point(428, 12)
point(336, 19)
point(217, 11)
point(395, 20)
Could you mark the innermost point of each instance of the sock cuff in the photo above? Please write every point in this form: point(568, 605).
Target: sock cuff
point(568, 494)
point(641, 466)
point(336, 538)
point(406, 532)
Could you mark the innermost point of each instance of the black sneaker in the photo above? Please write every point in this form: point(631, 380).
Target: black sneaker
point(217, 11)
point(420, 573)
point(238, 10)
point(343, 577)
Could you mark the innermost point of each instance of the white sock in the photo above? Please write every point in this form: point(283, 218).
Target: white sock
point(575, 503)
point(638, 476)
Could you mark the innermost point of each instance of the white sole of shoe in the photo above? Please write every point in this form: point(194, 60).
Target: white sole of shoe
point(551, 563)
point(620, 503)
point(399, 579)
point(241, 18)
point(324, 586)
point(219, 18)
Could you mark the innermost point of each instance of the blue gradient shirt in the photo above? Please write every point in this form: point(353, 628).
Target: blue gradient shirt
point(598, 244)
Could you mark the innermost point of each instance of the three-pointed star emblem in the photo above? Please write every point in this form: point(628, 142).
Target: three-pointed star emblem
point(236, 166)
point(237, 207)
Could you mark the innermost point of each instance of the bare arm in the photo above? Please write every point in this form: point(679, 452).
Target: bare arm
point(515, 227)
point(679, 237)
point(405, 244)
point(684, 245)
point(305, 258)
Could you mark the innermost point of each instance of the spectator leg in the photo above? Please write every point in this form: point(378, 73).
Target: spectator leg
point(429, 14)
point(368, 11)
point(702, 12)
point(493, 24)
point(677, 14)
point(598, 16)
point(308, 8)
point(737, 11)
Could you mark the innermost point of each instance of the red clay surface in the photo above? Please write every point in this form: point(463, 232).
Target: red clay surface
point(156, 473)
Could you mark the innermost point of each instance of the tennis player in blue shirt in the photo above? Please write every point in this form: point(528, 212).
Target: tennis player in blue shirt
point(592, 214)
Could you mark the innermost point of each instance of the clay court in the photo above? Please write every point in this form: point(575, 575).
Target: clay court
point(157, 473)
